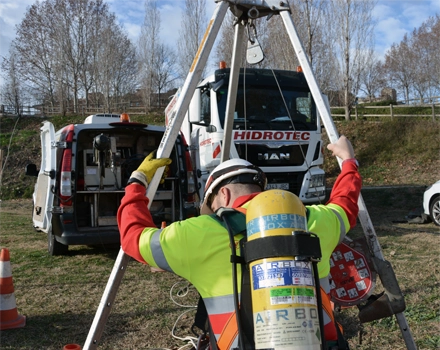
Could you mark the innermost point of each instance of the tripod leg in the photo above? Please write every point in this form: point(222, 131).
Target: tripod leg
point(107, 299)
point(164, 150)
point(332, 133)
point(233, 86)
point(308, 73)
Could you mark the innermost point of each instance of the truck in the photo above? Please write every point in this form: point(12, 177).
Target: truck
point(83, 173)
point(276, 126)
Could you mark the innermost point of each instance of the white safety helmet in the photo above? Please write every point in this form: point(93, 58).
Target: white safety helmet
point(232, 171)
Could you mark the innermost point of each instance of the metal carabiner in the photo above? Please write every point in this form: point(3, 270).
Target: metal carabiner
point(254, 53)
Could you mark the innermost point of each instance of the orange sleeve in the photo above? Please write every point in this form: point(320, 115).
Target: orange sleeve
point(133, 217)
point(346, 190)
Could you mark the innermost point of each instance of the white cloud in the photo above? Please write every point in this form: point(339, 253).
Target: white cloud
point(170, 18)
point(397, 17)
point(382, 11)
point(11, 14)
point(416, 13)
point(388, 31)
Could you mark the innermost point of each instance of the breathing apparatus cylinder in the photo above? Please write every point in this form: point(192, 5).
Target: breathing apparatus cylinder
point(284, 296)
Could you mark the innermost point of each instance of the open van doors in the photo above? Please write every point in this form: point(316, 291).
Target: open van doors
point(44, 187)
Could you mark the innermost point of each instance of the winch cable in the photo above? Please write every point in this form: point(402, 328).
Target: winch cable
point(244, 111)
point(288, 113)
point(290, 117)
point(293, 125)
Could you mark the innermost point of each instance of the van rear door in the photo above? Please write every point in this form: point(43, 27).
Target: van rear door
point(44, 188)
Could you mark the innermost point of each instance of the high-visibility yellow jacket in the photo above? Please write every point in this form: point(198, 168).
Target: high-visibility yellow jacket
point(198, 249)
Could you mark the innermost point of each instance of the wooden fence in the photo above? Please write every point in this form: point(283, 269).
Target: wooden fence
point(359, 111)
point(84, 111)
point(393, 111)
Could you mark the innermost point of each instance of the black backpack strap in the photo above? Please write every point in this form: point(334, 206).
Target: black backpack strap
point(201, 318)
point(246, 315)
point(201, 321)
point(342, 343)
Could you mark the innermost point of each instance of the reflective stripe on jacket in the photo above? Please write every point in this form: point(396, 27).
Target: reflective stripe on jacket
point(198, 248)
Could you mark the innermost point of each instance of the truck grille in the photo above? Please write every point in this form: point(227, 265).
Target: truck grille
point(293, 179)
point(262, 155)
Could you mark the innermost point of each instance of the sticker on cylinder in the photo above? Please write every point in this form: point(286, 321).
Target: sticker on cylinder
point(282, 273)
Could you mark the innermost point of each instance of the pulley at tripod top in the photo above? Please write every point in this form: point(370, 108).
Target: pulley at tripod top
point(252, 9)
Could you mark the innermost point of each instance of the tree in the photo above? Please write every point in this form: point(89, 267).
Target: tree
point(398, 65)
point(62, 53)
point(147, 49)
point(434, 43)
point(116, 74)
point(164, 64)
point(413, 65)
point(193, 26)
point(352, 30)
point(424, 45)
point(371, 78)
point(311, 20)
point(225, 44)
point(34, 49)
point(12, 91)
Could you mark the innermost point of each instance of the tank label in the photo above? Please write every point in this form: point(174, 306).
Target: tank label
point(282, 273)
point(276, 221)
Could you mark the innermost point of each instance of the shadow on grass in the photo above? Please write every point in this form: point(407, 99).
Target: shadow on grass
point(110, 251)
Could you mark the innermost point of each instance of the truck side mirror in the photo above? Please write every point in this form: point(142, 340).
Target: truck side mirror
point(31, 170)
point(194, 108)
point(216, 86)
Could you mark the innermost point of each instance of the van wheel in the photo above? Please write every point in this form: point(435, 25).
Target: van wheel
point(54, 247)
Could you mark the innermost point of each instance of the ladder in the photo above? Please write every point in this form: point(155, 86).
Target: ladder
point(252, 9)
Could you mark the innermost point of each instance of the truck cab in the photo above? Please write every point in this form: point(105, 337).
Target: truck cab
point(276, 126)
point(84, 170)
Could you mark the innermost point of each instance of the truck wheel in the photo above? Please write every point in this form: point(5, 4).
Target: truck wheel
point(54, 247)
point(434, 210)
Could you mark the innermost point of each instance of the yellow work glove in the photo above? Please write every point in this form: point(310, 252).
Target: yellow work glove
point(147, 169)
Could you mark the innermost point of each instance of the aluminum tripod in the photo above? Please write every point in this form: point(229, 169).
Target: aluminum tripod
point(250, 9)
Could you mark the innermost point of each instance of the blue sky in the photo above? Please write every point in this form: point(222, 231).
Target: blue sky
point(394, 18)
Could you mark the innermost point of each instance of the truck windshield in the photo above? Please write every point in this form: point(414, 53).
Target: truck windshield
point(263, 108)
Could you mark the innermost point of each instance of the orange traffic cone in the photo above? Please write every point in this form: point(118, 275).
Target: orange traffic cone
point(9, 317)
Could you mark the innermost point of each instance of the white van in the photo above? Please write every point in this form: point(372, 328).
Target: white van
point(84, 170)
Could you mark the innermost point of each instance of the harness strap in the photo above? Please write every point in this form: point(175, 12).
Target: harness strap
point(201, 318)
point(327, 307)
point(228, 334)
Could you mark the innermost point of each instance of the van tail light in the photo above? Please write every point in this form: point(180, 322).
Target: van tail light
point(66, 168)
point(191, 184)
point(191, 190)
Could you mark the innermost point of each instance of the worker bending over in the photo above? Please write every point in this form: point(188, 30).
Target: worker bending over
point(198, 248)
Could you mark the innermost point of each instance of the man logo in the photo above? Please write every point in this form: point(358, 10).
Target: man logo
point(273, 156)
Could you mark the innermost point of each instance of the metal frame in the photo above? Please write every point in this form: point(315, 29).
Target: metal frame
point(252, 9)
